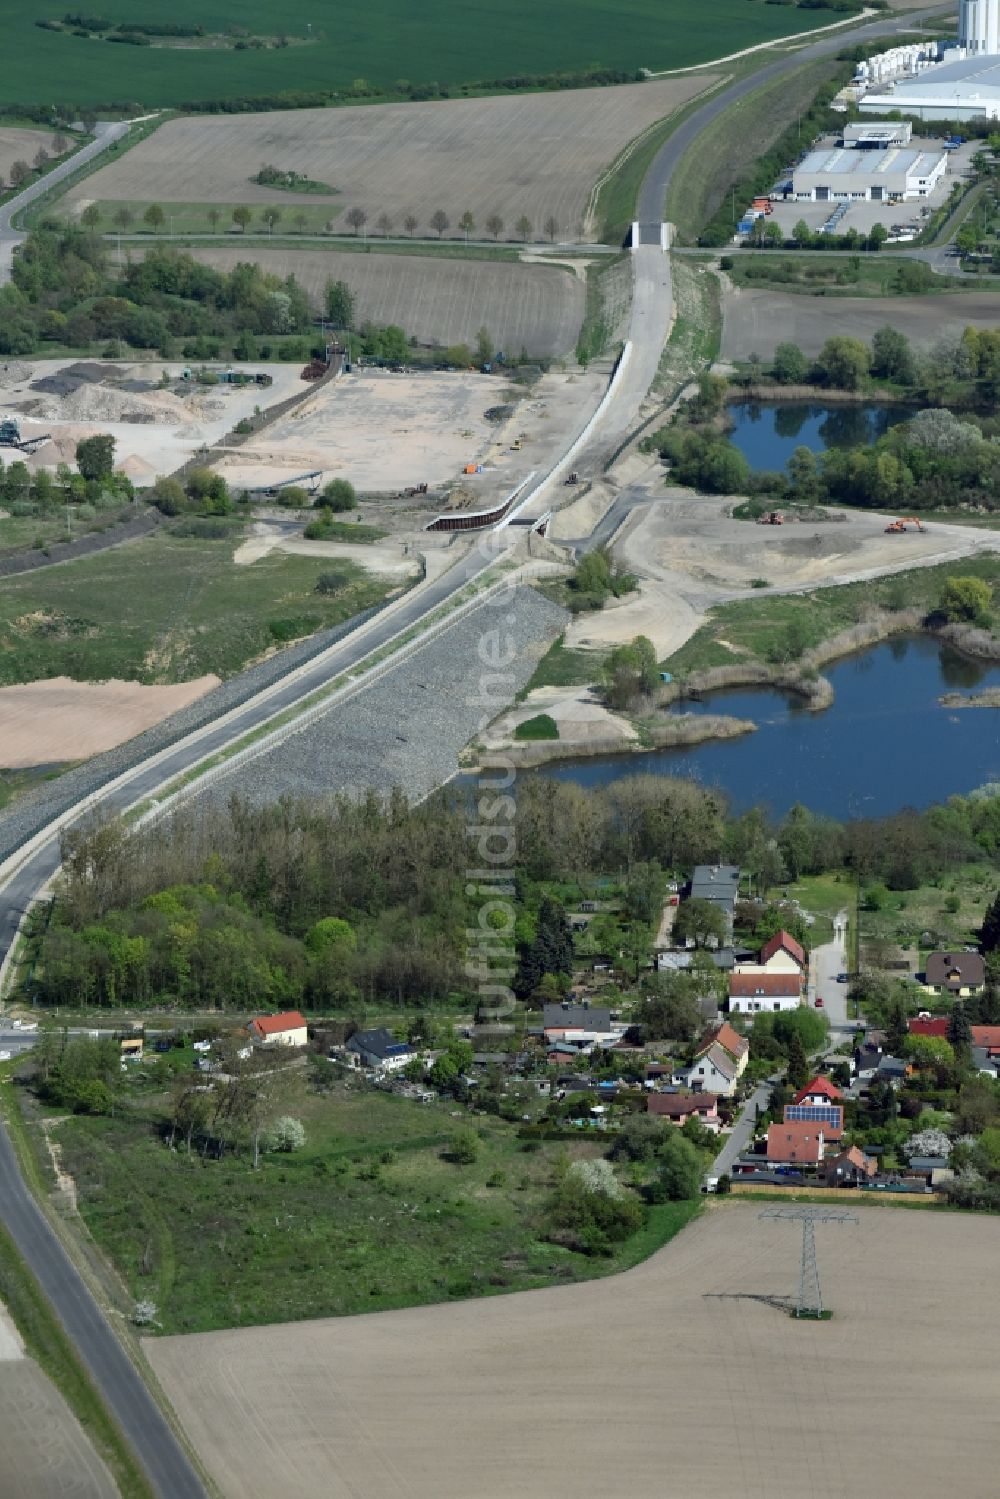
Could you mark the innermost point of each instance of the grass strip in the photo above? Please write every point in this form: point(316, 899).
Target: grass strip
point(49, 1345)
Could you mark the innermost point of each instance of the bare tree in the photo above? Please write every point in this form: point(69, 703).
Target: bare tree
point(384, 225)
point(41, 158)
point(439, 221)
point(494, 225)
point(551, 227)
point(524, 226)
point(18, 172)
point(300, 222)
point(410, 223)
point(357, 218)
point(271, 215)
point(467, 224)
point(124, 217)
point(213, 218)
point(60, 144)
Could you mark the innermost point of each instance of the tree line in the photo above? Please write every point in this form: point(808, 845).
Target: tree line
point(345, 903)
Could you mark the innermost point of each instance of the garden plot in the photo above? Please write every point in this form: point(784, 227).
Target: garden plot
point(537, 155)
point(685, 1366)
point(438, 301)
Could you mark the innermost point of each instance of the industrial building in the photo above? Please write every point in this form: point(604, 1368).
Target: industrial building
point(862, 136)
point(884, 176)
point(965, 90)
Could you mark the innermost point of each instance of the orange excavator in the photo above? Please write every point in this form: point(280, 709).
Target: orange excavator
point(771, 518)
point(897, 527)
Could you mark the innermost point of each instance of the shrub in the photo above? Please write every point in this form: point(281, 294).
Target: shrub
point(286, 1134)
point(338, 495)
point(539, 727)
point(465, 1147)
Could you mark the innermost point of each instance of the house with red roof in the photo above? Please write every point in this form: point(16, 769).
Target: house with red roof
point(929, 1025)
point(987, 1036)
point(754, 990)
point(782, 954)
point(286, 1029)
point(799, 1144)
point(820, 1104)
point(849, 1168)
point(678, 1108)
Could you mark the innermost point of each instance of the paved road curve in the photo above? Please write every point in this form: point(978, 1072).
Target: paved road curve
point(137, 1413)
point(105, 135)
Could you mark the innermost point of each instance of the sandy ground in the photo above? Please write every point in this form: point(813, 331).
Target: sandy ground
point(384, 432)
point(167, 426)
point(690, 541)
point(47, 723)
point(533, 154)
point(538, 306)
point(386, 559)
point(582, 718)
point(755, 322)
point(669, 1380)
point(44, 1453)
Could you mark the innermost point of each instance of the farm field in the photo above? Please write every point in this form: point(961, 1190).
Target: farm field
point(538, 155)
point(534, 307)
point(755, 322)
point(675, 1367)
point(43, 1449)
point(166, 609)
point(22, 144)
point(48, 723)
point(381, 41)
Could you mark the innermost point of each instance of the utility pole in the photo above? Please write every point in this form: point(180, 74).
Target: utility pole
point(810, 1298)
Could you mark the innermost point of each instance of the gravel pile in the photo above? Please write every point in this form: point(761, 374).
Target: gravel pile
point(408, 728)
point(30, 813)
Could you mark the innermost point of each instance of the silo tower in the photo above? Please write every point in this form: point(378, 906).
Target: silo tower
point(979, 27)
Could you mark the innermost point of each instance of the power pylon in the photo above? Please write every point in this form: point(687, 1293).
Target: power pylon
point(810, 1302)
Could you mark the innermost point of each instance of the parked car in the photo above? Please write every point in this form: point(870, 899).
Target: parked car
point(843, 978)
point(818, 1003)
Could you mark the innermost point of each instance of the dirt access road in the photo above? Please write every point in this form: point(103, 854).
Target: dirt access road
point(671, 1379)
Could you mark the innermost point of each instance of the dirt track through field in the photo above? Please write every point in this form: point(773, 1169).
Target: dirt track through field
point(755, 322)
point(672, 1379)
point(539, 308)
point(537, 155)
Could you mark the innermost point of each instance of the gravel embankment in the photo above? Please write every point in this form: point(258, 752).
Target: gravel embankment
point(30, 813)
point(408, 728)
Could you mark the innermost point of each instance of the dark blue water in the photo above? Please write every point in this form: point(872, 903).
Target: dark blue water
point(885, 743)
point(767, 435)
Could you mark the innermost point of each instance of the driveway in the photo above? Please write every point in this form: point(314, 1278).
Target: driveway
point(824, 964)
point(742, 1131)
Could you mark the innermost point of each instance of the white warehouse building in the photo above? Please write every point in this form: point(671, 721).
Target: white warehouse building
point(838, 175)
point(965, 90)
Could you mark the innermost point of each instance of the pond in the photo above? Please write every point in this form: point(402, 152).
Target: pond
point(885, 743)
point(767, 434)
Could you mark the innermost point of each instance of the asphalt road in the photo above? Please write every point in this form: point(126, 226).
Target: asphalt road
point(742, 1130)
point(824, 964)
point(137, 1413)
point(105, 135)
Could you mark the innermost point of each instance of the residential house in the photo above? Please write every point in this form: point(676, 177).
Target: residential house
point(676, 960)
point(959, 974)
point(713, 1071)
point(782, 954)
point(819, 1103)
point(726, 1036)
point(680, 1107)
point(849, 1168)
point(579, 1025)
point(894, 1070)
point(987, 1036)
point(718, 883)
point(798, 1144)
point(379, 1050)
point(867, 1059)
point(984, 1063)
point(934, 1169)
point(287, 1029)
point(750, 993)
point(929, 1025)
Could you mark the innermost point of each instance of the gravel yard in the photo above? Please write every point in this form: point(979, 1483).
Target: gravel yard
point(408, 728)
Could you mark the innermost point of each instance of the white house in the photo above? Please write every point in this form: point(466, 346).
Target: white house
point(756, 991)
point(287, 1029)
point(714, 1071)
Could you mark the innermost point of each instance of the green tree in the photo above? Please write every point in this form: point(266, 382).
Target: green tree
point(465, 1147)
point(439, 221)
point(959, 1030)
point(631, 672)
point(877, 236)
point(213, 217)
point(844, 362)
point(331, 934)
point(95, 456)
point(701, 921)
point(798, 1063)
point(966, 600)
point(467, 224)
point(168, 496)
point(124, 218)
point(803, 476)
point(484, 346)
point(790, 366)
point(241, 218)
point(523, 227)
point(154, 217)
point(679, 1167)
point(897, 1031)
point(339, 495)
point(892, 356)
point(270, 215)
point(91, 216)
point(802, 234)
point(989, 932)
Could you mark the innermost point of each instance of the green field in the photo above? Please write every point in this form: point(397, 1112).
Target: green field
point(166, 609)
point(836, 275)
point(372, 1213)
point(381, 42)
